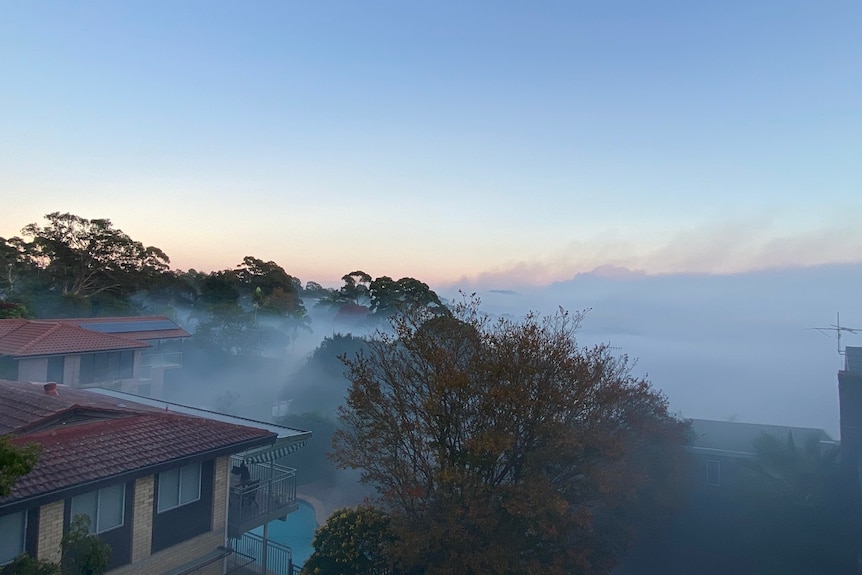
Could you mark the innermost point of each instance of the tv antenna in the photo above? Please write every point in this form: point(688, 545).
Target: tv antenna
point(837, 328)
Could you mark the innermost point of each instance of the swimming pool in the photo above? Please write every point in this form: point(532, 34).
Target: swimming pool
point(297, 532)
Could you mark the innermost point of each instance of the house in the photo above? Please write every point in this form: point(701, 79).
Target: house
point(706, 535)
point(129, 353)
point(156, 483)
point(850, 406)
point(721, 447)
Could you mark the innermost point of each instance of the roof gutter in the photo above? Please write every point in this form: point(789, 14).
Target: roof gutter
point(78, 488)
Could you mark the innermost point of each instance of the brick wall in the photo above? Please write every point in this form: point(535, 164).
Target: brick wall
point(221, 472)
point(142, 530)
point(50, 531)
point(143, 561)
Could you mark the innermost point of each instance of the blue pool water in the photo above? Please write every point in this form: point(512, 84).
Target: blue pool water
point(297, 532)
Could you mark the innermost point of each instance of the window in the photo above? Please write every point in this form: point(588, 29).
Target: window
point(107, 366)
point(713, 472)
point(105, 507)
point(8, 368)
point(56, 366)
point(179, 486)
point(12, 530)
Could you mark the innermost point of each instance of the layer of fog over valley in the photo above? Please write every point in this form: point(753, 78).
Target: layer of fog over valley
point(729, 347)
point(741, 347)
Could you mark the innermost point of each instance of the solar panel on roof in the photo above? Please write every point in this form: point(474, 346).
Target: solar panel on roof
point(130, 326)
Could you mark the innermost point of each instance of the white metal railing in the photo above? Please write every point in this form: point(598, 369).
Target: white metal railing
point(253, 556)
point(166, 359)
point(260, 491)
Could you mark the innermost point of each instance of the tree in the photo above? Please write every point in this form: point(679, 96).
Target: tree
point(797, 519)
point(83, 553)
point(315, 290)
point(503, 447)
point(351, 542)
point(9, 310)
point(26, 565)
point(16, 265)
point(218, 290)
point(355, 288)
point(230, 332)
point(271, 288)
point(316, 467)
point(388, 296)
point(88, 257)
point(14, 463)
point(320, 385)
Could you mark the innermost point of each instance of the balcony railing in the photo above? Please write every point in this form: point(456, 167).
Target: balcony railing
point(269, 492)
point(253, 557)
point(162, 360)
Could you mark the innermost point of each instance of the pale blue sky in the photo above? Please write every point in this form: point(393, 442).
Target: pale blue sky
point(505, 142)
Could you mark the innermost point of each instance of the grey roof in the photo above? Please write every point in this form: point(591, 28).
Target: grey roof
point(853, 359)
point(733, 437)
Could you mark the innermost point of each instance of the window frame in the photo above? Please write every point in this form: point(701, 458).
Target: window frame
point(95, 527)
point(178, 486)
point(24, 525)
point(713, 468)
point(56, 368)
point(104, 366)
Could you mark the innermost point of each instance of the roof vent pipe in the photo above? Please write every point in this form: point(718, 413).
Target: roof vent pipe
point(51, 389)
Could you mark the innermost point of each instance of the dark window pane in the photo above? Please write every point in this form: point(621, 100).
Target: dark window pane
point(88, 368)
point(127, 365)
point(12, 529)
point(111, 505)
point(190, 483)
point(169, 489)
point(86, 504)
point(56, 366)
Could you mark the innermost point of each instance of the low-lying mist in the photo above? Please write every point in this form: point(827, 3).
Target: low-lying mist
point(735, 346)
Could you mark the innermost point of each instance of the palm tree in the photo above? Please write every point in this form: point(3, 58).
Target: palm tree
point(795, 523)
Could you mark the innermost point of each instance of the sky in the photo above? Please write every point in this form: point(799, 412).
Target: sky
point(496, 144)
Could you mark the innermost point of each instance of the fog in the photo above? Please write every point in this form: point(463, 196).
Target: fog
point(737, 346)
point(751, 347)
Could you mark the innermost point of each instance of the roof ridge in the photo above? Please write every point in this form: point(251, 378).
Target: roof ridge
point(54, 327)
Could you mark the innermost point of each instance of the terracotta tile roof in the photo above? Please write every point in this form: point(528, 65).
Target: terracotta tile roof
point(108, 439)
point(9, 325)
point(25, 404)
point(28, 338)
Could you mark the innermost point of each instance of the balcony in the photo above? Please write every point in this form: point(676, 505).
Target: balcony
point(164, 360)
point(268, 493)
point(254, 556)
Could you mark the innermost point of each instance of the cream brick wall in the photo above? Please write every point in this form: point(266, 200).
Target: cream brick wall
point(142, 528)
point(50, 531)
point(143, 560)
point(221, 473)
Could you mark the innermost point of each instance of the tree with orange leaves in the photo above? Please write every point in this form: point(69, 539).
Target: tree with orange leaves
point(503, 446)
